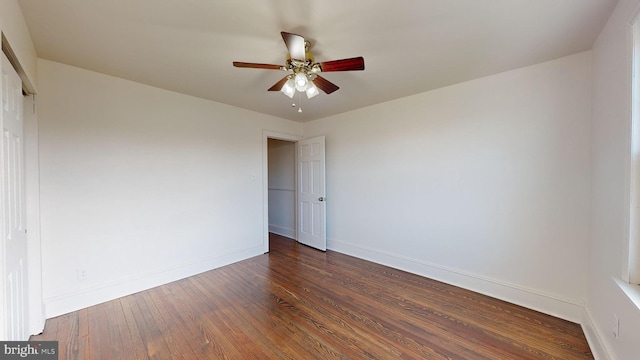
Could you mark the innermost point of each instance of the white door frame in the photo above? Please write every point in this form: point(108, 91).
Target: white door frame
point(32, 190)
point(266, 135)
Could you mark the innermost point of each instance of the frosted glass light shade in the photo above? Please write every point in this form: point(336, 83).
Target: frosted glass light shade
point(312, 90)
point(301, 82)
point(289, 88)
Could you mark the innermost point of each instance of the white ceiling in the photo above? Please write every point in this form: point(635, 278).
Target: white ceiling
point(409, 46)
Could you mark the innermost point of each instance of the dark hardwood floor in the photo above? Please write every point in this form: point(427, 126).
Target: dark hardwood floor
point(300, 303)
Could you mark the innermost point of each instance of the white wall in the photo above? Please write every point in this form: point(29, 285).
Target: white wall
point(610, 187)
point(141, 186)
point(483, 184)
point(282, 158)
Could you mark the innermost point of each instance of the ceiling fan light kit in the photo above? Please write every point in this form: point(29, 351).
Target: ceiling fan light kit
point(304, 76)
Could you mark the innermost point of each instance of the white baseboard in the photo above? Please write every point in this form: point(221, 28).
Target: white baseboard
point(281, 230)
point(568, 309)
point(94, 295)
point(594, 338)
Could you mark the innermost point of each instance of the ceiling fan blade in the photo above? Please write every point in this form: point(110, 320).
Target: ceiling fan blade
point(277, 86)
point(257, 66)
point(356, 63)
point(295, 45)
point(325, 85)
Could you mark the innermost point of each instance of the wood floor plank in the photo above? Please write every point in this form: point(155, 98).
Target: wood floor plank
point(69, 340)
point(299, 303)
point(387, 301)
point(83, 350)
point(189, 317)
point(214, 331)
point(151, 335)
point(345, 334)
point(227, 332)
point(260, 325)
point(98, 333)
point(177, 340)
point(62, 330)
point(450, 307)
point(139, 346)
point(393, 330)
point(130, 339)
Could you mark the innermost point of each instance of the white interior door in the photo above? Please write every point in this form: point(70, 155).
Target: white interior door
point(13, 249)
point(311, 193)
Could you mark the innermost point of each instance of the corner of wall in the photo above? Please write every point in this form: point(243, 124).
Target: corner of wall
point(14, 28)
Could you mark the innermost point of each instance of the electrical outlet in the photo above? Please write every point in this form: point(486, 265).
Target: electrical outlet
point(616, 326)
point(82, 273)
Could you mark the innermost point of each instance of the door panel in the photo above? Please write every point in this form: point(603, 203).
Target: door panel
point(311, 193)
point(14, 243)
